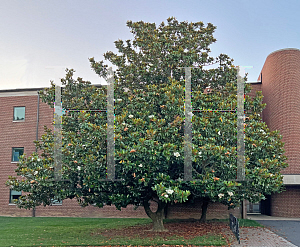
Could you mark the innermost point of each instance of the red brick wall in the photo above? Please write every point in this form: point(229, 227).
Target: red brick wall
point(22, 134)
point(70, 208)
point(286, 204)
point(255, 88)
point(281, 87)
point(214, 211)
point(18, 134)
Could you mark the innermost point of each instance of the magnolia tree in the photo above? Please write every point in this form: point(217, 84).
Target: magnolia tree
point(149, 131)
point(215, 162)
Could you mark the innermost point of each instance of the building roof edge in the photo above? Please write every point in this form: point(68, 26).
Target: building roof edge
point(20, 90)
point(284, 49)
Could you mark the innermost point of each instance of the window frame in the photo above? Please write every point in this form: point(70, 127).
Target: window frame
point(12, 154)
point(10, 196)
point(21, 120)
point(56, 202)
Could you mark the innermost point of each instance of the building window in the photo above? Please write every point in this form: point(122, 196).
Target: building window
point(14, 195)
point(16, 153)
point(56, 202)
point(19, 113)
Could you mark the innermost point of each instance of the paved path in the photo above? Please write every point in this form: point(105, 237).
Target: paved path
point(256, 237)
point(289, 230)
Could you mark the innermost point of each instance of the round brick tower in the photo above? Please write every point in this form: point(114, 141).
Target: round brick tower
point(281, 90)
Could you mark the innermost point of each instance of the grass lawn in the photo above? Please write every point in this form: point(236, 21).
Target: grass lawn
point(242, 222)
point(50, 231)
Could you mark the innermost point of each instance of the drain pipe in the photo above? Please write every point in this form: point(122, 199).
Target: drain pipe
point(37, 119)
point(37, 133)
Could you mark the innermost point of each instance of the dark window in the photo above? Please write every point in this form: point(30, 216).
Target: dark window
point(56, 202)
point(16, 153)
point(19, 113)
point(14, 195)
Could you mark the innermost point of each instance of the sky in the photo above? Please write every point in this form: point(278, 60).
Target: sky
point(39, 39)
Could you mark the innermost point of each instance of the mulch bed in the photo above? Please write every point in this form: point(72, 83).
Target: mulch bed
point(186, 230)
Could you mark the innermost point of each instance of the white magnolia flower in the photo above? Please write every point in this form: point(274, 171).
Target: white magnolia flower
point(36, 172)
point(129, 125)
point(230, 166)
point(219, 133)
point(126, 89)
point(176, 154)
point(200, 154)
point(170, 191)
point(124, 123)
point(130, 116)
point(220, 195)
point(119, 99)
point(140, 165)
point(230, 193)
point(166, 196)
point(38, 159)
point(271, 175)
point(78, 168)
point(151, 116)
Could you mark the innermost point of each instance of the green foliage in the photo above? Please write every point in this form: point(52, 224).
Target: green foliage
point(249, 223)
point(156, 52)
point(242, 222)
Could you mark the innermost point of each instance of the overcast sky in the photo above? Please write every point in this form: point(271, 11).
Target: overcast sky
point(36, 35)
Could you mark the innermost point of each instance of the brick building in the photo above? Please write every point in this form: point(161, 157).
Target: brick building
point(24, 116)
point(22, 122)
point(280, 87)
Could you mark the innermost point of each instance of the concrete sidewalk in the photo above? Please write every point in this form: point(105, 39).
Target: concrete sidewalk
point(266, 217)
point(256, 237)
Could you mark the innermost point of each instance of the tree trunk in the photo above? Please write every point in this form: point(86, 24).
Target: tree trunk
point(156, 217)
point(204, 210)
point(166, 211)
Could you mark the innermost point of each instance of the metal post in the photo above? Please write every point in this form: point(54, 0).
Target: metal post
point(110, 127)
point(240, 129)
point(57, 149)
point(188, 127)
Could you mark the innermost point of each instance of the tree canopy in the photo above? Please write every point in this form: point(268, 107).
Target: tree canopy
point(149, 130)
point(157, 52)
